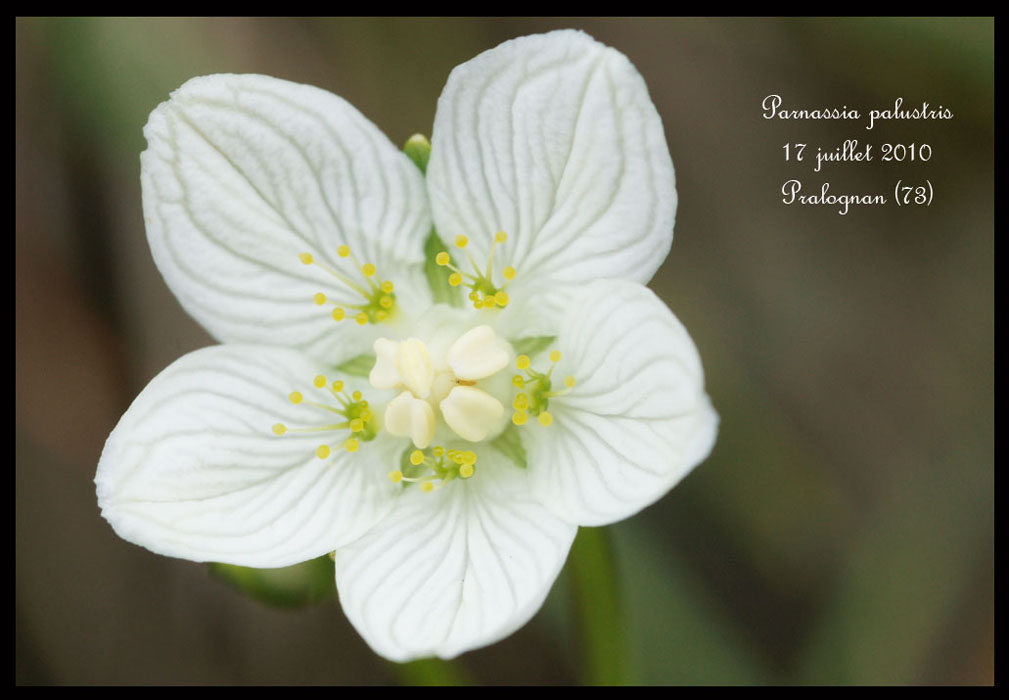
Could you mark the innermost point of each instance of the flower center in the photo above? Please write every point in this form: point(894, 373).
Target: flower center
point(379, 299)
point(484, 293)
point(357, 417)
point(536, 391)
point(442, 382)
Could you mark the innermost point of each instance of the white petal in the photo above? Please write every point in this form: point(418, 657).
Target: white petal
point(407, 416)
point(242, 174)
point(553, 139)
point(455, 569)
point(478, 353)
point(637, 420)
point(193, 469)
point(385, 375)
point(472, 413)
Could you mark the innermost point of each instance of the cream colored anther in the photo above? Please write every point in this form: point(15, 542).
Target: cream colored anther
point(471, 412)
point(405, 364)
point(407, 416)
point(477, 354)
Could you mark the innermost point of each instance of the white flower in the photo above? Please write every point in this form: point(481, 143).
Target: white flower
point(450, 472)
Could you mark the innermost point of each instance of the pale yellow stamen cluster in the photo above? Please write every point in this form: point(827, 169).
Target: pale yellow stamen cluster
point(484, 293)
point(380, 301)
point(358, 418)
point(437, 464)
point(535, 391)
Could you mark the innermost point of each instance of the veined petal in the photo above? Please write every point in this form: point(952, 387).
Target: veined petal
point(455, 569)
point(193, 469)
point(242, 174)
point(638, 419)
point(553, 139)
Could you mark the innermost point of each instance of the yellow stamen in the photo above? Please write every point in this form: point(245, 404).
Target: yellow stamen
point(361, 318)
point(322, 452)
point(500, 237)
point(416, 457)
point(319, 298)
point(461, 241)
point(319, 381)
point(338, 385)
point(520, 418)
point(338, 314)
point(466, 471)
point(356, 425)
point(508, 273)
point(442, 258)
point(501, 298)
point(295, 397)
point(522, 362)
point(357, 395)
point(455, 279)
point(427, 487)
point(343, 251)
point(368, 269)
point(545, 419)
point(279, 429)
point(306, 258)
point(555, 356)
point(395, 476)
point(351, 445)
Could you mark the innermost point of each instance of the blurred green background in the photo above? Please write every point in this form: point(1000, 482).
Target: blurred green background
point(842, 531)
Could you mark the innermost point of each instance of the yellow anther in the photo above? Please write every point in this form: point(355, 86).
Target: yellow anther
point(279, 429)
point(555, 356)
point(501, 298)
point(322, 451)
point(338, 385)
point(545, 419)
point(343, 251)
point(522, 362)
point(387, 287)
point(386, 302)
point(306, 258)
point(466, 471)
point(357, 425)
point(500, 236)
point(351, 445)
point(365, 415)
point(319, 298)
point(509, 273)
point(395, 476)
point(569, 381)
point(295, 397)
point(357, 395)
point(338, 314)
point(520, 418)
point(474, 296)
point(438, 451)
point(457, 458)
point(319, 381)
point(520, 403)
point(368, 269)
point(361, 318)
point(427, 487)
point(416, 457)
point(455, 279)
point(381, 315)
point(461, 241)
point(518, 381)
point(477, 304)
point(442, 258)
point(469, 457)
point(488, 301)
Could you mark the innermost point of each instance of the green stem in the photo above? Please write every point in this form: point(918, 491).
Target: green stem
point(432, 672)
point(597, 608)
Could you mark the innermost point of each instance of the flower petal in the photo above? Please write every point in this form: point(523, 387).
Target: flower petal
point(455, 569)
point(636, 422)
point(193, 469)
point(242, 174)
point(554, 139)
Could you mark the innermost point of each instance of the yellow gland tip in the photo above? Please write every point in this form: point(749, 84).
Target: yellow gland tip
point(438, 451)
point(569, 381)
point(555, 356)
point(338, 385)
point(520, 418)
point(386, 302)
point(545, 419)
point(518, 381)
point(357, 395)
point(382, 315)
point(477, 304)
point(361, 318)
point(442, 258)
point(343, 251)
point(520, 403)
point(319, 381)
point(461, 241)
point(322, 451)
point(295, 397)
point(522, 362)
point(469, 457)
point(279, 429)
point(416, 457)
point(368, 269)
point(387, 287)
point(509, 273)
point(395, 476)
point(500, 236)
point(466, 471)
point(501, 298)
point(338, 314)
point(427, 487)
point(319, 298)
point(356, 425)
point(351, 445)
point(455, 279)
point(365, 415)
point(306, 258)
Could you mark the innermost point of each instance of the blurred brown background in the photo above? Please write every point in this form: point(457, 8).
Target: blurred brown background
point(842, 530)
